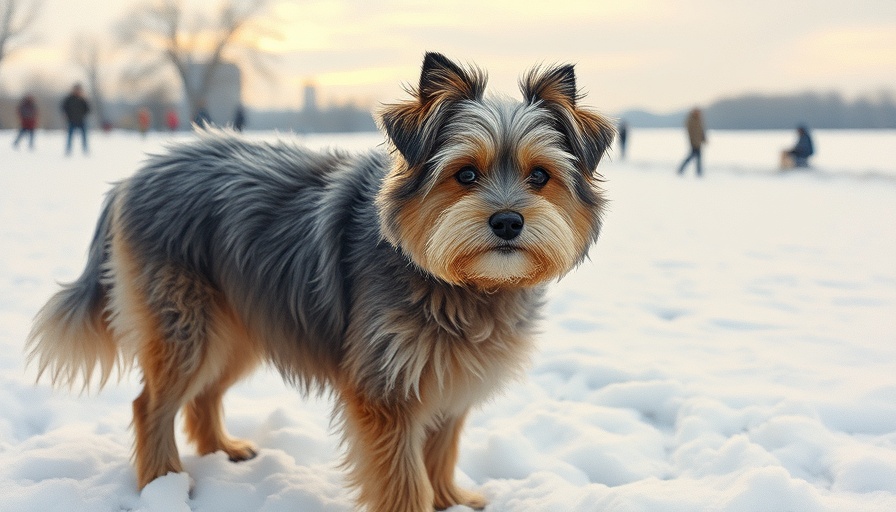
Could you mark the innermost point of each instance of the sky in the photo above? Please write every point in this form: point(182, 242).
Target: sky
point(652, 54)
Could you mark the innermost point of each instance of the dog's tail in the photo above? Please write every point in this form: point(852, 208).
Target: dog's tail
point(70, 336)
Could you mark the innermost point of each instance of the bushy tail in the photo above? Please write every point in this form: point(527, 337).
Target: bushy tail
point(70, 336)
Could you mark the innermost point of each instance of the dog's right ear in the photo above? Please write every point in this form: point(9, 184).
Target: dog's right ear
point(413, 125)
point(588, 134)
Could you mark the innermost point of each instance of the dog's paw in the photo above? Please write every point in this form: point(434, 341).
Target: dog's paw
point(458, 496)
point(475, 501)
point(238, 450)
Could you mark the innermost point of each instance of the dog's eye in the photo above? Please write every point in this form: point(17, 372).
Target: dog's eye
point(467, 175)
point(538, 177)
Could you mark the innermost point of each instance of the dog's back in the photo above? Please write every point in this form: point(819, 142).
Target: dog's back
point(261, 223)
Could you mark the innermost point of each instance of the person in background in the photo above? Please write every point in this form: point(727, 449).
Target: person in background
point(239, 118)
point(622, 137)
point(27, 112)
point(76, 108)
point(172, 120)
point(799, 155)
point(202, 119)
point(144, 119)
point(697, 137)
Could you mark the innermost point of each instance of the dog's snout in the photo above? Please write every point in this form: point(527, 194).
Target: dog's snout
point(506, 224)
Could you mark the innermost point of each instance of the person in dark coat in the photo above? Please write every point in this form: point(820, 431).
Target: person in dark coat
point(622, 137)
point(202, 119)
point(76, 108)
point(239, 118)
point(27, 111)
point(799, 155)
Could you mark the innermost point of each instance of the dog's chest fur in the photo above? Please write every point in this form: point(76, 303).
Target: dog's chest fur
point(453, 344)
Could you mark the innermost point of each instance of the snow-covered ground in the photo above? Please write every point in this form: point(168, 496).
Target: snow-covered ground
point(731, 346)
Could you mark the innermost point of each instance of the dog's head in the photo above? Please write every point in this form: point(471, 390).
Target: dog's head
point(493, 192)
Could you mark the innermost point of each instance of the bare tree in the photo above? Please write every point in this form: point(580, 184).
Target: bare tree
point(165, 35)
point(17, 18)
point(90, 55)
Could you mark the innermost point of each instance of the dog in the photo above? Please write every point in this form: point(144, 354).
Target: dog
point(406, 281)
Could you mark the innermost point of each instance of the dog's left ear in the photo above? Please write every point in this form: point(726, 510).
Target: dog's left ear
point(413, 125)
point(588, 134)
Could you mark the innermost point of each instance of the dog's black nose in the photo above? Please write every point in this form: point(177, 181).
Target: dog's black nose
point(506, 224)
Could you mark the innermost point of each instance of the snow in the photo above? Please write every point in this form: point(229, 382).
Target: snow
point(730, 346)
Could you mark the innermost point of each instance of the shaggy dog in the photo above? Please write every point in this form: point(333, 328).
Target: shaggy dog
point(406, 283)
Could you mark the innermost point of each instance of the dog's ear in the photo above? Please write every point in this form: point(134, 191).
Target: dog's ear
point(588, 134)
point(554, 85)
point(413, 125)
point(443, 80)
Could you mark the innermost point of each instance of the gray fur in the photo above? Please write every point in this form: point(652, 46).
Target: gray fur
point(291, 237)
point(265, 223)
point(305, 249)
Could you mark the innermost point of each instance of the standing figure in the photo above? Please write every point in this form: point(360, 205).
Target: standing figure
point(144, 119)
point(622, 137)
point(799, 155)
point(76, 108)
point(27, 111)
point(202, 119)
point(172, 120)
point(697, 137)
point(239, 118)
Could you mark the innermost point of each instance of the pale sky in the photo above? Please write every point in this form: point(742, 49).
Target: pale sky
point(660, 55)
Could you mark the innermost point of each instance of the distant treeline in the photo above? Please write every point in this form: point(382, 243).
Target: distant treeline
point(759, 112)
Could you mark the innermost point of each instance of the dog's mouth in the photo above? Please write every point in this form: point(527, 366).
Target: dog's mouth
point(506, 249)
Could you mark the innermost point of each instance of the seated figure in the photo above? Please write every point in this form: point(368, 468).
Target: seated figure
point(799, 155)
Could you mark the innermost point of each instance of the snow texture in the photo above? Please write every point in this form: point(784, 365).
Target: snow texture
point(730, 346)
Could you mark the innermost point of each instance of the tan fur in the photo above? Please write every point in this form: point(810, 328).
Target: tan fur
point(457, 257)
point(440, 453)
point(189, 368)
point(386, 443)
point(235, 357)
point(421, 214)
point(61, 343)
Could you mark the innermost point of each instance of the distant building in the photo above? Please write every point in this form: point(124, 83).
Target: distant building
point(310, 104)
point(225, 92)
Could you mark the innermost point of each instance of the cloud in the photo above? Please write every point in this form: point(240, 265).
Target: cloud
point(846, 50)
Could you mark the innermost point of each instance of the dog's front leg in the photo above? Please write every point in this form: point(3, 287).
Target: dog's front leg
point(440, 455)
point(385, 455)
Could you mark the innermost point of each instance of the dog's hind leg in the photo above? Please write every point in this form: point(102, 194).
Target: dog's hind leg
point(174, 355)
point(231, 357)
point(203, 418)
point(155, 451)
point(162, 313)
